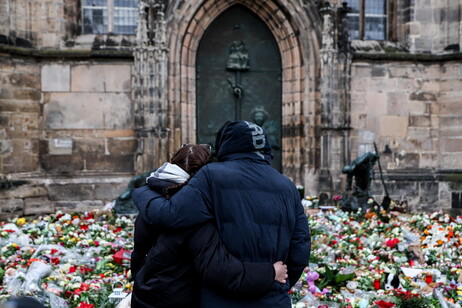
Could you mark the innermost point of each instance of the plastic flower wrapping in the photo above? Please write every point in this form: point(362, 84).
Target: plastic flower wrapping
point(370, 260)
point(65, 259)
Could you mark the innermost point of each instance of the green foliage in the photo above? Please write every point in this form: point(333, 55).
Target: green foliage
point(407, 299)
point(334, 279)
point(414, 302)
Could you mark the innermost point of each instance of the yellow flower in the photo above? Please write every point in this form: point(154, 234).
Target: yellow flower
point(21, 221)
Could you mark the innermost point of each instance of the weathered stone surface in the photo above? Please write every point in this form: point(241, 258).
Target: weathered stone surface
point(27, 94)
point(393, 126)
point(449, 159)
point(379, 107)
point(109, 191)
point(5, 147)
point(23, 192)
point(429, 188)
point(62, 164)
point(453, 107)
point(22, 158)
point(55, 78)
point(422, 96)
point(87, 145)
point(80, 206)
point(420, 121)
point(399, 188)
point(451, 121)
point(24, 81)
point(450, 85)
point(408, 161)
point(452, 145)
point(11, 208)
point(71, 191)
point(15, 105)
point(451, 131)
point(110, 163)
point(121, 146)
point(101, 78)
point(22, 126)
point(60, 146)
point(38, 206)
point(49, 40)
point(429, 160)
point(88, 111)
point(379, 71)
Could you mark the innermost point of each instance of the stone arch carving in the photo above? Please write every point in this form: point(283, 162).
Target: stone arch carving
point(298, 39)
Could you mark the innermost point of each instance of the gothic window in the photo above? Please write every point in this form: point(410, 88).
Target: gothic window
point(109, 16)
point(368, 19)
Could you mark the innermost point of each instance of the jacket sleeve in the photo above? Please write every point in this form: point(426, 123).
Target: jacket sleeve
point(139, 250)
point(188, 207)
point(222, 272)
point(300, 245)
point(145, 235)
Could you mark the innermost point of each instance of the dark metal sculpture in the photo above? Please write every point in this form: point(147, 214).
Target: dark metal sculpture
point(238, 61)
point(124, 203)
point(386, 200)
point(359, 196)
point(261, 117)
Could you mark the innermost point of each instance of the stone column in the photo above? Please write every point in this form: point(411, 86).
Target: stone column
point(150, 74)
point(335, 69)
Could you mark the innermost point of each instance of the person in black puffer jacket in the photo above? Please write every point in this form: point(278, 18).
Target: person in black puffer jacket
point(167, 266)
point(257, 211)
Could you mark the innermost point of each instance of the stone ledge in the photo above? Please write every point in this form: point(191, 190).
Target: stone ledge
point(67, 53)
point(402, 56)
point(422, 175)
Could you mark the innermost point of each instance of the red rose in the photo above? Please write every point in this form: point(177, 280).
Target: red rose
point(384, 304)
point(85, 305)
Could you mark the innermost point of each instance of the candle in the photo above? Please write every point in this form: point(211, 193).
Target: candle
point(429, 278)
point(377, 284)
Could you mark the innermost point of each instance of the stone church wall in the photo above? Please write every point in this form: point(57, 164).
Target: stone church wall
point(413, 112)
point(67, 134)
point(430, 25)
point(67, 131)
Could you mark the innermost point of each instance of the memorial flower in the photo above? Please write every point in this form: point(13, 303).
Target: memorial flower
point(352, 255)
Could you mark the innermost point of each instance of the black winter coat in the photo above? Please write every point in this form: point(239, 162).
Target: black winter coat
point(177, 261)
point(258, 211)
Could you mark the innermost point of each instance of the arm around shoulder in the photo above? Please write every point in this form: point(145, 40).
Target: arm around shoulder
point(186, 208)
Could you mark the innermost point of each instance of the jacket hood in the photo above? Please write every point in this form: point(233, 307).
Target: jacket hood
point(236, 138)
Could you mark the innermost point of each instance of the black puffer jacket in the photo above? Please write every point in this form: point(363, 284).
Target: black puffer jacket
point(258, 211)
point(168, 267)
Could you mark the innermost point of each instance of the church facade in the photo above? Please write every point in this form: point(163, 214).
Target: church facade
point(94, 92)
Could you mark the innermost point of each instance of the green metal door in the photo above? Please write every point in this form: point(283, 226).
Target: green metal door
point(239, 77)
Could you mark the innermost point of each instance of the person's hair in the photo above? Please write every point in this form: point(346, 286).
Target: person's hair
point(190, 158)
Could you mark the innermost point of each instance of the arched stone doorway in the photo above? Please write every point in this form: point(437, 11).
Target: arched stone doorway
point(238, 77)
point(295, 27)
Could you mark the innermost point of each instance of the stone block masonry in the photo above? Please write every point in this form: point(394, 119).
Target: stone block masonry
point(70, 120)
point(67, 139)
point(419, 121)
